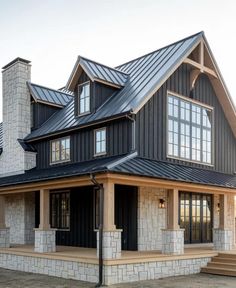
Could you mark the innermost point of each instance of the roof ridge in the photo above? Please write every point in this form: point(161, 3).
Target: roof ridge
point(147, 54)
point(112, 68)
point(56, 90)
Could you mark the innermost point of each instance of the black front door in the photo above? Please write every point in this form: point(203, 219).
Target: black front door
point(195, 216)
point(126, 201)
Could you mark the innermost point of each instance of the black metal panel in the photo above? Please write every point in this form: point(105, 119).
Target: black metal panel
point(82, 143)
point(101, 94)
point(126, 207)
point(41, 113)
point(151, 132)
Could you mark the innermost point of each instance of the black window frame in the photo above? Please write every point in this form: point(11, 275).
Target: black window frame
point(58, 215)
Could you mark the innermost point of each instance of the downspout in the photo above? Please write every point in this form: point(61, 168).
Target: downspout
point(101, 213)
point(131, 118)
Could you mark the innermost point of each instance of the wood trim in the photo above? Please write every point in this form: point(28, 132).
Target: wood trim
point(202, 68)
point(108, 83)
point(2, 212)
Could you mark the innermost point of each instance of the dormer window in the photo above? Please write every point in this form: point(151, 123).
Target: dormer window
point(84, 98)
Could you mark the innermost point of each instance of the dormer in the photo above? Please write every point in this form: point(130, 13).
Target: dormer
point(92, 84)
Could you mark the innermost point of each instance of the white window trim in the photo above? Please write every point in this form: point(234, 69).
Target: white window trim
point(60, 161)
point(78, 108)
point(95, 131)
point(171, 93)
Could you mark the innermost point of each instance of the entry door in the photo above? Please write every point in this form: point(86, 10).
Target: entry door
point(195, 216)
point(126, 202)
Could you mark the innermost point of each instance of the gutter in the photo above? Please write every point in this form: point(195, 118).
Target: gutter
point(101, 213)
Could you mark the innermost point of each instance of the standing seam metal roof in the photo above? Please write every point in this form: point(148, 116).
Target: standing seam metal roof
point(48, 95)
point(145, 73)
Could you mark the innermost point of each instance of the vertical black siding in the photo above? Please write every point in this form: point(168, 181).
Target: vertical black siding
point(151, 136)
point(119, 141)
point(41, 113)
point(126, 207)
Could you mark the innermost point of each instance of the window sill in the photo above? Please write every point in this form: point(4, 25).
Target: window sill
point(59, 162)
point(189, 161)
point(100, 154)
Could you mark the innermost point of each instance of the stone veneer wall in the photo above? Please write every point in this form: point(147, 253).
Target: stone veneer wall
point(20, 217)
point(113, 274)
point(151, 219)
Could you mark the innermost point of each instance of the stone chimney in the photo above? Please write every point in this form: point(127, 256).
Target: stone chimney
point(16, 118)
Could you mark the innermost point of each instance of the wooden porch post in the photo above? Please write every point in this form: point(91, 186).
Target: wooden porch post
point(223, 212)
point(173, 209)
point(2, 212)
point(109, 206)
point(44, 210)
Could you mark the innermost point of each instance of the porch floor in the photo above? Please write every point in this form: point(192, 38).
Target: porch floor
point(88, 255)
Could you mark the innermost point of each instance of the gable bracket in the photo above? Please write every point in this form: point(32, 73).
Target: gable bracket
point(201, 68)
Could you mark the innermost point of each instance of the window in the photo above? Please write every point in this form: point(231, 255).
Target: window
point(100, 141)
point(84, 98)
point(60, 150)
point(60, 210)
point(189, 130)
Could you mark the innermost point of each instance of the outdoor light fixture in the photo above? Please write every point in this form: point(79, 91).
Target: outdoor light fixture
point(162, 203)
point(218, 207)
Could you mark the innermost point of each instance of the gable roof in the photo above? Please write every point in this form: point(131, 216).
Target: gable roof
point(97, 72)
point(49, 96)
point(146, 75)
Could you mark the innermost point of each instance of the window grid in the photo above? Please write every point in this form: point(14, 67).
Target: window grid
point(84, 98)
point(189, 130)
point(60, 150)
point(60, 210)
point(100, 141)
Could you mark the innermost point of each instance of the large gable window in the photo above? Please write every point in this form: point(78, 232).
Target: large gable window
point(84, 98)
point(60, 150)
point(189, 130)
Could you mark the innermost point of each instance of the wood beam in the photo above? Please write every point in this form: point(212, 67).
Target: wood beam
point(44, 209)
point(223, 212)
point(2, 212)
point(173, 209)
point(202, 68)
point(109, 206)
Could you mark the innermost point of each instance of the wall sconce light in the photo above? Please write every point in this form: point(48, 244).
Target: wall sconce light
point(218, 208)
point(162, 204)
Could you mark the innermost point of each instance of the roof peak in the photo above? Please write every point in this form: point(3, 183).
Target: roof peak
point(149, 53)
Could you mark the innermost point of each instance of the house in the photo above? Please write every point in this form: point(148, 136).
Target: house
point(147, 149)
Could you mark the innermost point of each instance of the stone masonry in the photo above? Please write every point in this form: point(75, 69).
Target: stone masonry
point(151, 218)
point(173, 241)
point(222, 239)
point(45, 241)
point(4, 237)
point(20, 217)
point(111, 244)
point(16, 119)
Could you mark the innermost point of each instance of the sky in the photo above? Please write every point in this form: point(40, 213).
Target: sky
point(52, 33)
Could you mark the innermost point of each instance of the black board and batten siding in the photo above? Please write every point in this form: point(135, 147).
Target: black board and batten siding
point(41, 113)
point(151, 131)
point(119, 141)
point(99, 93)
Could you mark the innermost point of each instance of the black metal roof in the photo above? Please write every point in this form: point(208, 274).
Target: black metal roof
point(1, 135)
point(97, 71)
point(127, 164)
point(145, 74)
point(49, 96)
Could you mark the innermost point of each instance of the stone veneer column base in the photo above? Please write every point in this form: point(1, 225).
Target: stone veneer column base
point(111, 244)
point(45, 240)
point(223, 239)
point(173, 241)
point(4, 237)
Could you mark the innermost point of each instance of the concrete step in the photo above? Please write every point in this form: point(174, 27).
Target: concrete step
point(221, 265)
point(219, 271)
